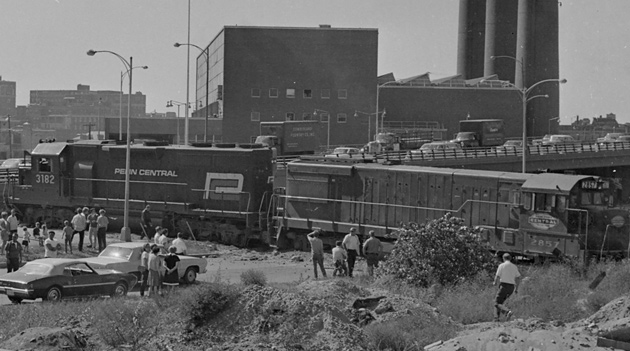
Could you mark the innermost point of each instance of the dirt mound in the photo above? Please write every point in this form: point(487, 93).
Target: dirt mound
point(46, 339)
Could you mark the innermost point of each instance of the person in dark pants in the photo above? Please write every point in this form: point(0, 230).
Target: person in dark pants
point(144, 267)
point(508, 278)
point(13, 249)
point(352, 245)
point(145, 221)
point(372, 250)
point(101, 234)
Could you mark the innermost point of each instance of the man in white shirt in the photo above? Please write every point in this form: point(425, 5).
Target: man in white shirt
point(79, 224)
point(13, 223)
point(163, 239)
point(179, 244)
point(508, 278)
point(339, 256)
point(51, 246)
point(352, 245)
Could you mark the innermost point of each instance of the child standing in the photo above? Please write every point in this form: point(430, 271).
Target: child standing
point(339, 258)
point(67, 235)
point(26, 240)
point(36, 234)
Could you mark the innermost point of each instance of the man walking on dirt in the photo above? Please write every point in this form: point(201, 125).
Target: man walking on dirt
point(353, 246)
point(317, 249)
point(372, 250)
point(508, 278)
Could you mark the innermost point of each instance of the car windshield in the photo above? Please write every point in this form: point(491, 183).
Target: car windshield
point(35, 268)
point(116, 252)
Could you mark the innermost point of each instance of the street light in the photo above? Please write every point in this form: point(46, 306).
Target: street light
point(328, 121)
point(207, 53)
point(356, 115)
point(122, 76)
point(553, 119)
point(171, 103)
point(125, 231)
point(525, 98)
point(378, 89)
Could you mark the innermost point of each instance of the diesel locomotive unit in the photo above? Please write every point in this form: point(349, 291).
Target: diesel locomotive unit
point(533, 215)
point(219, 192)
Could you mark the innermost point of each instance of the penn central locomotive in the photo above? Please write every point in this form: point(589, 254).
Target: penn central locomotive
point(226, 193)
point(533, 215)
point(220, 192)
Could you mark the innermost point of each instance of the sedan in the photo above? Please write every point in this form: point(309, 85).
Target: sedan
point(344, 152)
point(53, 279)
point(125, 257)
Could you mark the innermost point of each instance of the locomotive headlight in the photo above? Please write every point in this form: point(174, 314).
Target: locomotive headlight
point(618, 221)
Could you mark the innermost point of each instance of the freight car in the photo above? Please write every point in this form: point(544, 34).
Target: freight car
point(220, 192)
point(534, 215)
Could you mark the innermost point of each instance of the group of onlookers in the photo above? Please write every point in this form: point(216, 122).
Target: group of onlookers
point(345, 253)
point(86, 219)
point(158, 270)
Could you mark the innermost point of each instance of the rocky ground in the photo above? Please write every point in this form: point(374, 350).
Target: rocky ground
point(331, 314)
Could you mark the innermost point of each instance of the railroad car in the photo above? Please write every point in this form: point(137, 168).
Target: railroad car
point(219, 192)
point(534, 215)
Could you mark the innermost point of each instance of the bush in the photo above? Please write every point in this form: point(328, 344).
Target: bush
point(408, 333)
point(205, 301)
point(253, 277)
point(441, 251)
point(123, 322)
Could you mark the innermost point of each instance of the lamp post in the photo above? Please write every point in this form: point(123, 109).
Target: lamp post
point(122, 76)
point(207, 53)
point(10, 136)
point(125, 231)
point(171, 103)
point(356, 115)
point(328, 121)
point(525, 98)
point(378, 89)
point(553, 119)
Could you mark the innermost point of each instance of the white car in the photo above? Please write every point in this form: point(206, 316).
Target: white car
point(347, 152)
point(125, 257)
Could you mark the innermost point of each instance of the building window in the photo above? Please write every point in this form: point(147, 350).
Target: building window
point(306, 116)
point(342, 118)
point(290, 116)
point(308, 93)
point(252, 139)
point(325, 94)
point(255, 116)
point(273, 92)
point(323, 117)
point(290, 93)
point(255, 92)
point(342, 94)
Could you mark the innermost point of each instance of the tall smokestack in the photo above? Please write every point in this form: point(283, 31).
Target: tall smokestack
point(471, 37)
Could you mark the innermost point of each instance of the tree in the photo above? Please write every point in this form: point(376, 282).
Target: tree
point(441, 251)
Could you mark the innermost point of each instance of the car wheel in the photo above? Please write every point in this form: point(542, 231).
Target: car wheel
point(53, 294)
point(15, 299)
point(120, 290)
point(190, 276)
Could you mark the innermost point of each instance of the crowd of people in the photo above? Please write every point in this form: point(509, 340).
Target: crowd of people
point(345, 252)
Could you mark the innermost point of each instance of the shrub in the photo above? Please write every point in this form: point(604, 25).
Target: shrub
point(205, 301)
point(455, 301)
point(408, 333)
point(121, 322)
point(253, 277)
point(440, 251)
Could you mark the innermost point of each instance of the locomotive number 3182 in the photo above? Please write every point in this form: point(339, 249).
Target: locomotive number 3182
point(45, 178)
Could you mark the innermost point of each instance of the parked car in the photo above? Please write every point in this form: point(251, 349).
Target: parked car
point(125, 257)
point(53, 279)
point(436, 148)
point(609, 137)
point(510, 146)
point(344, 152)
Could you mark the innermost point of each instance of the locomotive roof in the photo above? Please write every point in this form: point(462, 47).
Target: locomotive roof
point(553, 182)
point(542, 182)
point(56, 148)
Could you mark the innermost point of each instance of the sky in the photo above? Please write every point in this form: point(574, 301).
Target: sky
point(43, 43)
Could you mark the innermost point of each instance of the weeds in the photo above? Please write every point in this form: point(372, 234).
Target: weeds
point(203, 302)
point(125, 323)
point(253, 277)
point(408, 333)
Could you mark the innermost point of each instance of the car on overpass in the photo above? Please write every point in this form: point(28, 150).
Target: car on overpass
point(510, 147)
point(620, 142)
point(347, 152)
